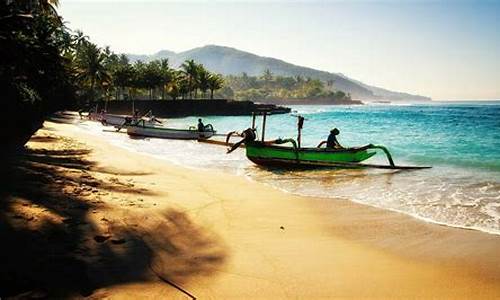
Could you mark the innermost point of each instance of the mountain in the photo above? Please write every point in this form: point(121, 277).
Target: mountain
point(231, 61)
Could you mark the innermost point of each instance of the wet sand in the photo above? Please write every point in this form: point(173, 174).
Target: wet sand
point(81, 217)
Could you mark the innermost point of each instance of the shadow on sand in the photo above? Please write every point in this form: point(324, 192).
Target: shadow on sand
point(57, 242)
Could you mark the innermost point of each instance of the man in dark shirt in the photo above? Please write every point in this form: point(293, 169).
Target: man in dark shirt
point(332, 142)
point(201, 126)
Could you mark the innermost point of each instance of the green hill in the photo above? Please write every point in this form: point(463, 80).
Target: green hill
point(231, 61)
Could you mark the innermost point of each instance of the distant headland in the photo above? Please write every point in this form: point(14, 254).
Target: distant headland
point(230, 61)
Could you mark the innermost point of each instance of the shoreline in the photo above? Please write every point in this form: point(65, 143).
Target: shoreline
point(241, 238)
point(249, 177)
point(392, 210)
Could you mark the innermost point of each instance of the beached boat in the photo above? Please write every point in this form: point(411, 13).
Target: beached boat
point(113, 120)
point(142, 129)
point(109, 119)
point(122, 120)
point(275, 154)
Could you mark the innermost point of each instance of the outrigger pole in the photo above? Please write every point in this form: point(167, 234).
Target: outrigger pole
point(264, 116)
point(300, 123)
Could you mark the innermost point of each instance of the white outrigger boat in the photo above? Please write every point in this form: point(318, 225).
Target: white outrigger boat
point(120, 120)
point(141, 128)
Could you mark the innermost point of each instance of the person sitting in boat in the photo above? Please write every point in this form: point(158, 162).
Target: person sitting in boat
point(201, 126)
point(332, 141)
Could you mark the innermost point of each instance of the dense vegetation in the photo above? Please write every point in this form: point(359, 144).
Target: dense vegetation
point(34, 67)
point(44, 67)
point(269, 87)
point(104, 75)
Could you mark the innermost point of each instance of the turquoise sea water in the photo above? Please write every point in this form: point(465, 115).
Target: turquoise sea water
point(461, 141)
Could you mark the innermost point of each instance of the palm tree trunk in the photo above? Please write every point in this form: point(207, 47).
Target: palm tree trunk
point(92, 84)
point(212, 94)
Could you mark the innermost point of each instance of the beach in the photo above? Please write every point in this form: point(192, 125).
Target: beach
point(83, 217)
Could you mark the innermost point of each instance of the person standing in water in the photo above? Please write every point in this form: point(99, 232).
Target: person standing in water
point(332, 141)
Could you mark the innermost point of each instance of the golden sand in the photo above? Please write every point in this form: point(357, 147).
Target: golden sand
point(148, 229)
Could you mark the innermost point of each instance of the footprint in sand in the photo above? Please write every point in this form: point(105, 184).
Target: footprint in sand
point(101, 238)
point(118, 241)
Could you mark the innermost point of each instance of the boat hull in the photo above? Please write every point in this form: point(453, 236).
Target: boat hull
point(288, 157)
point(115, 120)
point(168, 133)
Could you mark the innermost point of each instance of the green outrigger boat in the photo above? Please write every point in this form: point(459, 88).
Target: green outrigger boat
point(275, 153)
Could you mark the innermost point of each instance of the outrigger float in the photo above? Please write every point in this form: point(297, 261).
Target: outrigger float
point(273, 153)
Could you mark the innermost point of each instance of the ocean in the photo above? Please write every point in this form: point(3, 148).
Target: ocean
point(460, 140)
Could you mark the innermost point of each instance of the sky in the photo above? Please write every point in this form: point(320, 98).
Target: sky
point(448, 50)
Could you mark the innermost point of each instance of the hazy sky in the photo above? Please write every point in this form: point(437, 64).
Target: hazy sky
point(444, 49)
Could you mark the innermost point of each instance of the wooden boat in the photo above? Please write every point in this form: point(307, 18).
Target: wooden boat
point(119, 120)
point(142, 129)
point(114, 120)
point(275, 154)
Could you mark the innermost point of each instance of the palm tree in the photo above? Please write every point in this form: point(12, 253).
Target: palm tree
point(153, 77)
point(174, 86)
point(166, 75)
point(46, 7)
point(202, 80)
point(90, 67)
point(267, 75)
point(138, 78)
point(49, 6)
point(122, 77)
point(190, 69)
point(79, 38)
point(215, 82)
point(184, 86)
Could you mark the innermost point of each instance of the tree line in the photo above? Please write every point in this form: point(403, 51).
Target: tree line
point(104, 75)
point(270, 86)
point(45, 67)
